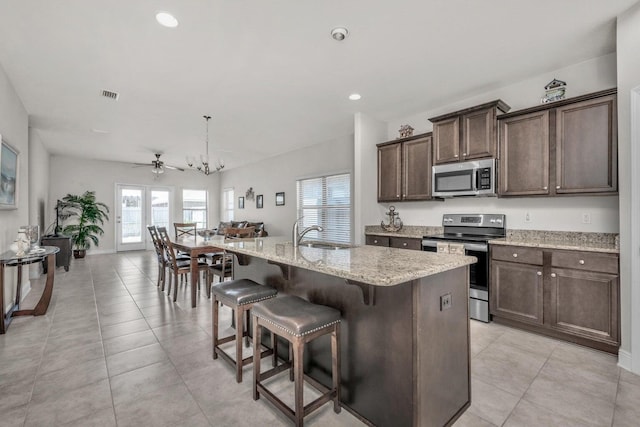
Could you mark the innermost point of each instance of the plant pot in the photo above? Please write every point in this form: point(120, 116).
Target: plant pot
point(79, 253)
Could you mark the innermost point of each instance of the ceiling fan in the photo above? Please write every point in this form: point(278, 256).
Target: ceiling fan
point(158, 166)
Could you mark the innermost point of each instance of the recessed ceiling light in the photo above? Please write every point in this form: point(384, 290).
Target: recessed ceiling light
point(166, 19)
point(354, 96)
point(339, 33)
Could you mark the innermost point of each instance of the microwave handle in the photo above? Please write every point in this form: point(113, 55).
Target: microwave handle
point(476, 179)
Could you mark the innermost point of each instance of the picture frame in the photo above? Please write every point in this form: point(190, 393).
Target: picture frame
point(9, 157)
point(259, 200)
point(240, 202)
point(280, 199)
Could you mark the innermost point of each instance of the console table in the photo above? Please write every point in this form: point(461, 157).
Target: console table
point(9, 259)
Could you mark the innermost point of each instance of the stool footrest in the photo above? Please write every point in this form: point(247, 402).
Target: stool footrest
point(246, 361)
point(276, 401)
point(274, 371)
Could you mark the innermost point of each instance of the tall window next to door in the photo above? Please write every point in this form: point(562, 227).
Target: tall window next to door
point(227, 204)
point(326, 201)
point(194, 207)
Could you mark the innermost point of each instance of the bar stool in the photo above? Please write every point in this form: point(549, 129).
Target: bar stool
point(239, 295)
point(299, 322)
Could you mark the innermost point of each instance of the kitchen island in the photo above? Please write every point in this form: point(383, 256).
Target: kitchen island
point(405, 331)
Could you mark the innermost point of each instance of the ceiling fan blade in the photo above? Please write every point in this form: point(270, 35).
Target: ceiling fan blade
point(174, 168)
point(142, 164)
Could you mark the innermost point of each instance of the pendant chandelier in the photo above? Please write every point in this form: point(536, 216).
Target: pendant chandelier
point(204, 159)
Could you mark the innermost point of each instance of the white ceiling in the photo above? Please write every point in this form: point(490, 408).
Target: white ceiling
point(268, 71)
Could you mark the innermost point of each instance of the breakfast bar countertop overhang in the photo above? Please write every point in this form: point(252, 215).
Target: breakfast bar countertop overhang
point(373, 265)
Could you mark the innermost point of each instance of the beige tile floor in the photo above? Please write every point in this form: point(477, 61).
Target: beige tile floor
point(114, 350)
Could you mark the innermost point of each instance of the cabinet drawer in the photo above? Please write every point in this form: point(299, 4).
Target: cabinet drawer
point(406, 243)
point(517, 254)
point(378, 241)
point(605, 263)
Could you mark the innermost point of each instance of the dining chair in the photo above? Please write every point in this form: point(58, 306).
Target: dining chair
point(178, 266)
point(184, 229)
point(242, 233)
point(160, 253)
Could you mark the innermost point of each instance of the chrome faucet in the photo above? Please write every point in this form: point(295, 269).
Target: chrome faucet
point(296, 237)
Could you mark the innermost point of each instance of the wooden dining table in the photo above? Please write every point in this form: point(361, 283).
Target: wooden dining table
point(196, 246)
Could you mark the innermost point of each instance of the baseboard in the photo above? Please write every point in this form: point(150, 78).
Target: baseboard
point(625, 360)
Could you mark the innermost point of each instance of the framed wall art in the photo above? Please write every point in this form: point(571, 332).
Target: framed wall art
point(8, 176)
point(259, 200)
point(280, 199)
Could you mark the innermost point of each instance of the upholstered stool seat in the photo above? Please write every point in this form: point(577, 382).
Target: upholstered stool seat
point(299, 322)
point(239, 295)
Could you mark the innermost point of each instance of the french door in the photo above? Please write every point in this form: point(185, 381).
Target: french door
point(137, 207)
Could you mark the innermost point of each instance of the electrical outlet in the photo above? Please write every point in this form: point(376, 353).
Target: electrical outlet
point(586, 218)
point(527, 217)
point(445, 302)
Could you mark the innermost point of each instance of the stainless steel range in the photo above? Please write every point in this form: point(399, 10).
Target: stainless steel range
point(470, 233)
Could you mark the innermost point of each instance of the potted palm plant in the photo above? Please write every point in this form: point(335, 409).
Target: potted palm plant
point(90, 215)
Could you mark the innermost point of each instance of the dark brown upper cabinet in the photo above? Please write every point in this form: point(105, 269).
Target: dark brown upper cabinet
point(467, 134)
point(404, 169)
point(568, 147)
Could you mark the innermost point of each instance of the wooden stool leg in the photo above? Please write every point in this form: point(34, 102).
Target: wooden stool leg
point(291, 361)
point(298, 365)
point(215, 324)
point(335, 366)
point(239, 334)
point(256, 358)
point(247, 326)
point(274, 346)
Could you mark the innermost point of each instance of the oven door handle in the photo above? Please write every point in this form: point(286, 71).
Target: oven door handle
point(477, 247)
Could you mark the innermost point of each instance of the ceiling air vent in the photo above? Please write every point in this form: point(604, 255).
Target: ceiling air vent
point(111, 95)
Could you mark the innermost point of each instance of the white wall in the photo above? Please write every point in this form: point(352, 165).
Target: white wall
point(75, 176)
point(14, 123)
point(367, 129)
point(279, 174)
point(561, 213)
point(628, 34)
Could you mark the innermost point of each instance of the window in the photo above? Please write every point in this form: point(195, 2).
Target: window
point(326, 201)
point(194, 207)
point(227, 204)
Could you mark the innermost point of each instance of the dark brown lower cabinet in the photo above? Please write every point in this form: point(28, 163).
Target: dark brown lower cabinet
point(395, 242)
point(571, 295)
point(584, 303)
point(517, 291)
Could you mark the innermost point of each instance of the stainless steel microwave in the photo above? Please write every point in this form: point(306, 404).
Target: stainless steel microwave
point(474, 178)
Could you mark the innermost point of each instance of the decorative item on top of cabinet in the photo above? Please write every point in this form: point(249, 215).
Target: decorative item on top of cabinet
point(405, 131)
point(580, 134)
point(472, 132)
point(404, 169)
point(571, 295)
point(554, 91)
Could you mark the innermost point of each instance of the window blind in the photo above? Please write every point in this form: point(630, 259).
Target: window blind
point(227, 204)
point(326, 201)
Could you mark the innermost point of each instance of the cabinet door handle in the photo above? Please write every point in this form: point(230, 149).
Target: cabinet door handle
point(557, 187)
point(464, 154)
point(404, 195)
point(397, 195)
point(545, 188)
point(375, 241)
point(404, 244)
point(515, 255)
point(553, 274)
point(539, 273)
point(581, 262)
point(455, 155)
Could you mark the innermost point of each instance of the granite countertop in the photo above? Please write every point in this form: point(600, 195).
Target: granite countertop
point(373, 265)
point(590, 242)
